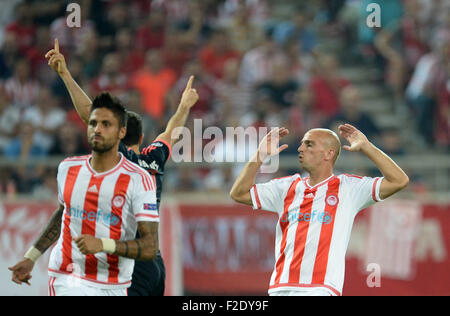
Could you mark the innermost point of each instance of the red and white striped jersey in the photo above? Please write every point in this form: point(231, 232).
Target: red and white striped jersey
point(104, 205)
point(314, 227)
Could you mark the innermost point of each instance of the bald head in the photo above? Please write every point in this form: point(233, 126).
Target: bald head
point(329, 139)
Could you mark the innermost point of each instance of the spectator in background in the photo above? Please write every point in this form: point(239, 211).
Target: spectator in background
point(263, 112)
point(110, 78)
point(204, 85)
point(9, 118)
point(257, 11)
point(350, 113)
point(90, 54)
point(391, 142)
point(22, 26)
point(300, 64)
point(390, 15)
point(26, 145)
point(39, 67)
point(326, 85)
point(6, 16)
point(280, 86)
point(186, 181)
point(24, 178)
point(219, 179)
point(257, 64)
point(72, 38)
point(69, 142)
point(214, 55)
point(9, 54)
point(232, 100)
point(244, 35)
point(194, 27)
point(296, 30)
point(442, 115)
point(115, 18)
point(153, 82)
point(401, 45)
point(131, 59)
point(175, 53)
point(429, 78)
point(133, 102)
point(46, 117)
point(21, 88)
point(151, 34)
point(45, 188)
point(302, 117)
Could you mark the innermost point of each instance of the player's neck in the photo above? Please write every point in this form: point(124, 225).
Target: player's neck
point(135, 148)
point(318, 176)
point(102, 162)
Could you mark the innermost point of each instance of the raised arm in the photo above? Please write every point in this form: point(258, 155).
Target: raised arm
point(80, 99)
point(21, 272)
point(188, 99)
point(240, 192)
point(394, 179)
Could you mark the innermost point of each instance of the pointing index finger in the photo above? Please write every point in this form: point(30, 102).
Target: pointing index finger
point(56, 45)
point(189, 84)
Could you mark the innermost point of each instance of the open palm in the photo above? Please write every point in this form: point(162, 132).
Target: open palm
point(269, 145)
point(354, 136)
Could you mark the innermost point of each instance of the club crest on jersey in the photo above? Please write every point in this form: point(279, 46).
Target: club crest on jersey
point(332, 200)
point(118, 201)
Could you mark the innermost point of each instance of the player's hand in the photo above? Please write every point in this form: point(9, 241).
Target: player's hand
point(354, 136)
point(88, 244)
point(21, 272)
point(269, 145)
point(190, 96)
point(56, 60)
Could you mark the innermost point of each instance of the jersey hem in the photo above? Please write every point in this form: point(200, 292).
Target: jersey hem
point(88, 282)
point(299, 286)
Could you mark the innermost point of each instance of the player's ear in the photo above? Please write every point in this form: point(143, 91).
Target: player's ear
point(122, 132)
point(330, 154)
point(141, 139)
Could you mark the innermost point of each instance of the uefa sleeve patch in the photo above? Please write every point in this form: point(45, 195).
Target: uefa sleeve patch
point(150, 207)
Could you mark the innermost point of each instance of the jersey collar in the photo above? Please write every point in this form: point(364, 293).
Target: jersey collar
point(105, 173)
point(306, 180)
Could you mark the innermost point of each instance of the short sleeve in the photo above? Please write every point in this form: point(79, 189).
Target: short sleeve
point(269, 196)
point(363, 191)
point(144, 202)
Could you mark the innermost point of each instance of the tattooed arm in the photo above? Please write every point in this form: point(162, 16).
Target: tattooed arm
point(51, 233)
point(144, 248)
point(21, 272)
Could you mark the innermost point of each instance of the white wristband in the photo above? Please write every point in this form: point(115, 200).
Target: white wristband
point(33, 254)
point(109, 245)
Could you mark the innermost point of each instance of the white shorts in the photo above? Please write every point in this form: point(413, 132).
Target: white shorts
point(320, 291)
point(60, 286)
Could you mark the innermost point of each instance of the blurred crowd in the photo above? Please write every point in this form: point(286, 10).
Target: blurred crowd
point(254, 65)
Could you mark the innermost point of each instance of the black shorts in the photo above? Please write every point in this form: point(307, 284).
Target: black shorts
point(149, 278)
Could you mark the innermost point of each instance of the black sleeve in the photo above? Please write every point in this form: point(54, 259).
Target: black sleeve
point(155, 156)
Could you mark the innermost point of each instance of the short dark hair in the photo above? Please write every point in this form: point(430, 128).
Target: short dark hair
point(106, 100)
point(134, 129)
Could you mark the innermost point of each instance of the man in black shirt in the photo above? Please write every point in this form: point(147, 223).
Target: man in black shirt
point(148, 276)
